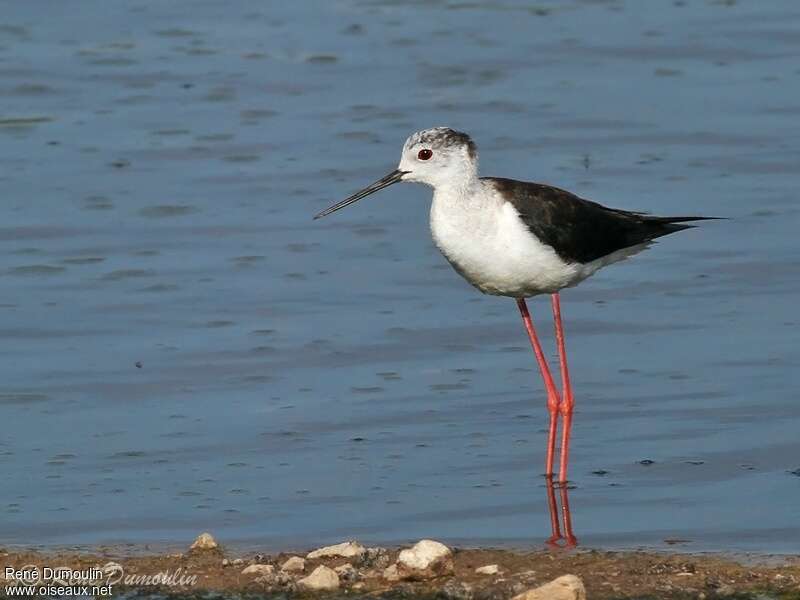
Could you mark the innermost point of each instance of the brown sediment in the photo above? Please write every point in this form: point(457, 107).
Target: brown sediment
point(606, 575)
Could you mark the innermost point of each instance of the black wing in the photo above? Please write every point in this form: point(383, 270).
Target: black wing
point(581, 230)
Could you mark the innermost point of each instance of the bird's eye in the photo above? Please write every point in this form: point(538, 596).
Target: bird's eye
point(424, 154)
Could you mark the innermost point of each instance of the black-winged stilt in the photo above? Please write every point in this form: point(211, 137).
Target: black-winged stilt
point(519, 239)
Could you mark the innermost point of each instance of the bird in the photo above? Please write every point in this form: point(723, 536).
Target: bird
point(519, 239)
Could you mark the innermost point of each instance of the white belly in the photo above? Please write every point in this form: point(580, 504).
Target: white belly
point(492, 248)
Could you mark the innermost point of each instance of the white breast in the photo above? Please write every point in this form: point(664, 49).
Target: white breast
point(484, 239)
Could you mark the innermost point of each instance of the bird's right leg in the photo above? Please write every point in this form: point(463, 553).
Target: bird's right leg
point(553, 401)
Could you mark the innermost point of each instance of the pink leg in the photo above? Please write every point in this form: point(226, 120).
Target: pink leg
point(552, 394)
point(568, 401)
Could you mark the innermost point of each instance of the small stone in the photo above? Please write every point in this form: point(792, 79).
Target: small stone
point(423, 554)
point(321, 578)
point(225, 562)
point(237, 562)
point(488, 570)
point(294, 564)
point(390, 573)
point(204, 541)
point(345, 550)
point(426, 559)
point(259, 570)
point(566, 587)
point(347, 572)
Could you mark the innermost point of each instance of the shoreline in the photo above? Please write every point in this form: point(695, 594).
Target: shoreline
point(453, 574)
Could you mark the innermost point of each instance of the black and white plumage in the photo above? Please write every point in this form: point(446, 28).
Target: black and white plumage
point(515, 238)
point(580, 230)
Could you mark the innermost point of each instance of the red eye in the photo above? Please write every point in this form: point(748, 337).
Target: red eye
point(424, 154)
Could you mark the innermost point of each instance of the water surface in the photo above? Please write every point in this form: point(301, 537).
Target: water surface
point(185, 350)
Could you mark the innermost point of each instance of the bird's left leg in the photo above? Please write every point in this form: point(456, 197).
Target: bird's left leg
point(567, 399)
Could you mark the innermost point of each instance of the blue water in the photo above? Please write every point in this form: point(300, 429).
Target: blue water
point(184, 349)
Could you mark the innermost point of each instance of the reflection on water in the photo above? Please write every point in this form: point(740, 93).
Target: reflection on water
point(184, 350)
point(560, 514)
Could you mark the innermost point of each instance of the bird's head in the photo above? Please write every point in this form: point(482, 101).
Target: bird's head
point(435, 157)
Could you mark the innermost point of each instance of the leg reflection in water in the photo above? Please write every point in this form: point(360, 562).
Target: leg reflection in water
point(557, 540)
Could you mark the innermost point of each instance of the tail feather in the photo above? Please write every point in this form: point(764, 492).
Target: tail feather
point(668, 220)
point(665, 225)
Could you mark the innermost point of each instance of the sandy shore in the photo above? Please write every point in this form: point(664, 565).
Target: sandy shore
point(373, 572)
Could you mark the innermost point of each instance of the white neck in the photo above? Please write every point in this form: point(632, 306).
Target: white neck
point(466, 194)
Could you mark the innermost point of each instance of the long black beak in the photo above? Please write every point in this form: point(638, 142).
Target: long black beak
point(391, 178)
